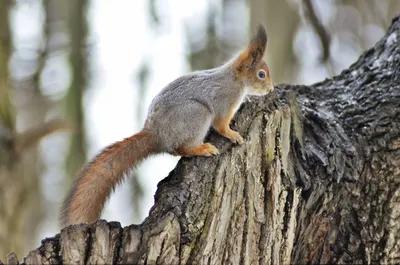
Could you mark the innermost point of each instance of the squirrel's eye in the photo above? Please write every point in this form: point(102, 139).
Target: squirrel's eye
point(261, 74)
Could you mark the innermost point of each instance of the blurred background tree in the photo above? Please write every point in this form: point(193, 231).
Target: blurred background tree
point(97, 65)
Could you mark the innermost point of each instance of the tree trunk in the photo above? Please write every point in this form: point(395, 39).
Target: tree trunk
point(20, 166)
point(76, 17)
point(317, 181)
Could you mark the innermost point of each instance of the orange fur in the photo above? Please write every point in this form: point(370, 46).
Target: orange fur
point(250, 61)
point(99, 178)
point(221, 124)
point(206, 149)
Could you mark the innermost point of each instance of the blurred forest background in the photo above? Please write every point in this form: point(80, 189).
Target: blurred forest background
point(78, 75)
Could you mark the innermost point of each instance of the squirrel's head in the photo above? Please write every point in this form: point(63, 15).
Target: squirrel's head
point(251, 67)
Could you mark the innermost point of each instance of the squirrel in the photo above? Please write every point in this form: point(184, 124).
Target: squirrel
point(177, 122)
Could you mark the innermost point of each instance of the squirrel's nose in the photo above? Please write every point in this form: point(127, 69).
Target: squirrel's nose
point(271, 87)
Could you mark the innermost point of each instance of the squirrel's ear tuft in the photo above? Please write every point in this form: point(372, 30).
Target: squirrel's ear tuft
point(259, 40)
point(256, 49)
point(258, 44)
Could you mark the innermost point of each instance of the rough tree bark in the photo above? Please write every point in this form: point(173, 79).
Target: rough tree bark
point(317, 181)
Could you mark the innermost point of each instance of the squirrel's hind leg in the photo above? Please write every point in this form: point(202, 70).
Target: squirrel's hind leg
point(206, 149)
point(183, 129)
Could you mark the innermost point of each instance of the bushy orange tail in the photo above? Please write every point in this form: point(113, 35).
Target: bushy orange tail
point(99, 178)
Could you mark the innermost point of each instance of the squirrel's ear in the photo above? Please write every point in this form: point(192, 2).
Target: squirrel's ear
point(255, 50)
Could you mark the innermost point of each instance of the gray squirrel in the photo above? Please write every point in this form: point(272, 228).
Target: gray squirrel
point(178, 120)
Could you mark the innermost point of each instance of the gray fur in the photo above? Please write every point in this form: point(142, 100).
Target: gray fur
point(182, 113)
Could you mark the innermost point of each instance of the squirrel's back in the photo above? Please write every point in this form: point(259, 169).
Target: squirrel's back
point(202, 85)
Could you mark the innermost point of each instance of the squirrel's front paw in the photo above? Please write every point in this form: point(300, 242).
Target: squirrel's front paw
point(235, 137)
